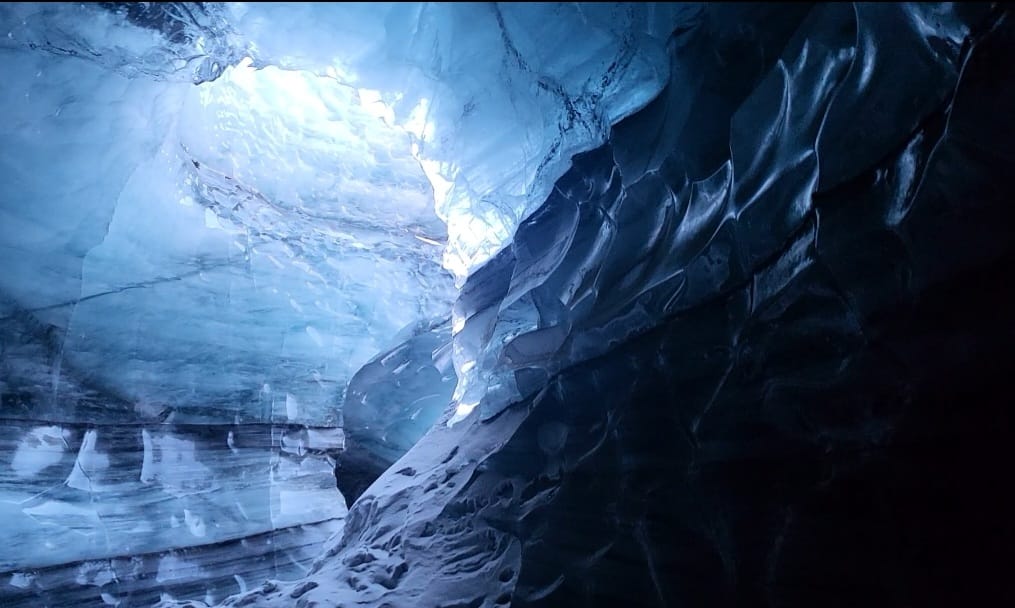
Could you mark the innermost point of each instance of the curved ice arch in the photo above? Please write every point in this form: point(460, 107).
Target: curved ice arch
point(498, 97)
point(732, 226)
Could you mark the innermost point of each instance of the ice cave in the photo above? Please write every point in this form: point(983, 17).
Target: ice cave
point(462, 305)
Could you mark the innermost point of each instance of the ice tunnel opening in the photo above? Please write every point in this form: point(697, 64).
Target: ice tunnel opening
point(589, 304)
point(277, 216)
point(353, 174)
point(237, 284)
point(327, 208)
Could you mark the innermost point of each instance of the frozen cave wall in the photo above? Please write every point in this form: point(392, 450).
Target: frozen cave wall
point(226, 231)
point(749, 346)
point(761, 339)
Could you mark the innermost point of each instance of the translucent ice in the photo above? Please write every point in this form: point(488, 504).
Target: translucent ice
point(572, 299)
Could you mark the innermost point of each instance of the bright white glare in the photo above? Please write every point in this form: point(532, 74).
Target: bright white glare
point(421, 128)
point(462, 412)
point(332, 215)
point(427, 241)
point(307, 141)
point(373, 103)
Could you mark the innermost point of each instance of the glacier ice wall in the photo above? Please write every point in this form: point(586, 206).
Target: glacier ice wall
point(194, 265)
point(732, 324)
point(497, 96)
point(755, 350)
point(213, 230)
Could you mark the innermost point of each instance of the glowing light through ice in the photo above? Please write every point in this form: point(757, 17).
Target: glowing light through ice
point(462, 412)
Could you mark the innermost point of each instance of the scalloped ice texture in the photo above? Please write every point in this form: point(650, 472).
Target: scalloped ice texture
point(753, 351)
point(206, 231)
point(716, 360)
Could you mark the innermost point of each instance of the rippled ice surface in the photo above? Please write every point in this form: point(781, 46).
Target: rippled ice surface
point(584, 304)
point(214, 217)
